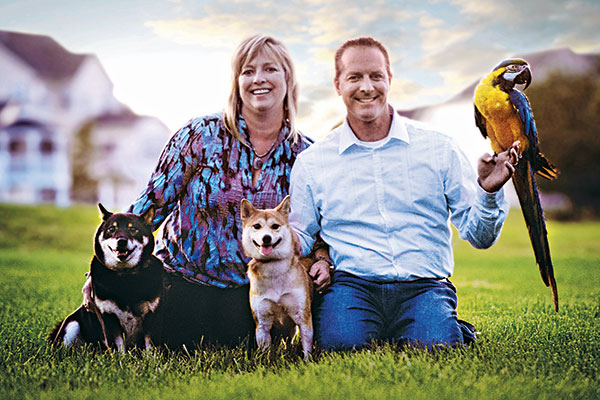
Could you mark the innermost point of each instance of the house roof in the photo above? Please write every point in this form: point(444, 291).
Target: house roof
point(43, 54)
point(125, 115)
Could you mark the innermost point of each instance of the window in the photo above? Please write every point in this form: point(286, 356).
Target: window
point(47, 146)
point(48, 195)
point(17, 146)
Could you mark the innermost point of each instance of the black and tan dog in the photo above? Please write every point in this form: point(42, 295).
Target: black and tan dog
point(128, 287)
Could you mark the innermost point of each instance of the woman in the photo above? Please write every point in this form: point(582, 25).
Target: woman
point(204, 171)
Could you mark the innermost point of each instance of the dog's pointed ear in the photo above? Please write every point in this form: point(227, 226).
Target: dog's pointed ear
point(148, 216)
point(284, 207)
point(246, 209)
point(104, 212)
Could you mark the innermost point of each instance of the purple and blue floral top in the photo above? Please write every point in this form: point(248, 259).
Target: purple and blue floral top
point(196, 188)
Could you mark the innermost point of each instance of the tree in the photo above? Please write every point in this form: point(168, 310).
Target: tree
point(84, 188)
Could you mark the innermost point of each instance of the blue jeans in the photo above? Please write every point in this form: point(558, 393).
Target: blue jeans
point(353, 311)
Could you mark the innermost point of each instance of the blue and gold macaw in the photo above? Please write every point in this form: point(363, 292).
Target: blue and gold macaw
point(503, 114)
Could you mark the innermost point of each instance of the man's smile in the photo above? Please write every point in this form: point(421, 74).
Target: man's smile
point(367, 100)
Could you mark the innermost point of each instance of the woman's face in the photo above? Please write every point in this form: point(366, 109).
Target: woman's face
point(262, 85)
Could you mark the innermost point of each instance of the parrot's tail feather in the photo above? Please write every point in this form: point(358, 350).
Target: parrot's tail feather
point(544, 168)
point(554, 291)
point(534, 219)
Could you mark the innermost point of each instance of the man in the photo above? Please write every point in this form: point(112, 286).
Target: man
point(381, 190)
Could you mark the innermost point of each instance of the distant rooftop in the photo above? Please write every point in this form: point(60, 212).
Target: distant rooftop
point(43, 54)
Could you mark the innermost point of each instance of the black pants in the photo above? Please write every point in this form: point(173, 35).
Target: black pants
point(195, 314)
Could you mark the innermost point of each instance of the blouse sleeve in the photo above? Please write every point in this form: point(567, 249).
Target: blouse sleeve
point(175, 166)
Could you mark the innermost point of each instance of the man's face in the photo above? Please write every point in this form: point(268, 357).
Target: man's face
point(363, 84)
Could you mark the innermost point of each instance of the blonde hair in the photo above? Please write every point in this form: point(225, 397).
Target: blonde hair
point(245, 52)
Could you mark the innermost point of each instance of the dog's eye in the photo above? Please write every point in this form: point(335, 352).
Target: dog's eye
point(275, 226)
point(133, 230)
point(111, 229)
point(256, 226)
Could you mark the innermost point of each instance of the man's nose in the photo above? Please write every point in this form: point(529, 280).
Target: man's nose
point(366, 85)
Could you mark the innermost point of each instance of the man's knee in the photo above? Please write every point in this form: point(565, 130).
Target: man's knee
point(344, 319)
point(429, 319)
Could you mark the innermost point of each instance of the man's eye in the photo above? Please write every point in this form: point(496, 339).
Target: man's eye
point(256, 226)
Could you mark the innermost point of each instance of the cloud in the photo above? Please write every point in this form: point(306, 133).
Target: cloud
point(442, 36)
point(437, 48)
point(199, 31)
point(486, 8)
point(583, 34)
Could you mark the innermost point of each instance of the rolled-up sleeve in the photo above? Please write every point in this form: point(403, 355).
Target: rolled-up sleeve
point(477, 214)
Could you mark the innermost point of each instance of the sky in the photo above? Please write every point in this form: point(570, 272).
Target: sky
point(171, 58)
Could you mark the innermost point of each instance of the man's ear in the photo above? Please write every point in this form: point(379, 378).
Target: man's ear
point(336, 83)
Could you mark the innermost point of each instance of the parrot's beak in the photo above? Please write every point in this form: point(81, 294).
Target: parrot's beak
point(524, 77)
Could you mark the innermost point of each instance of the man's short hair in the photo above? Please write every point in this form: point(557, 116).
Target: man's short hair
point(365, 41)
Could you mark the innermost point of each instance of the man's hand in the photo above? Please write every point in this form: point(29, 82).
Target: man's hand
point(494, 171)
point(319, 272)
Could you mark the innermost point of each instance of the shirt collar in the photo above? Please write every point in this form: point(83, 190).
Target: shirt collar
point(397, 131)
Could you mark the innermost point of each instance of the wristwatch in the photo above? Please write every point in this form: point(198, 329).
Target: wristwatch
point(326, 259)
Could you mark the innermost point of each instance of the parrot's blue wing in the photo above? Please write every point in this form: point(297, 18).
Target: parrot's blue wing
point(521, 103)
point(539, 162)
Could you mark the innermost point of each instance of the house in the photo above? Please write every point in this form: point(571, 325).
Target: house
point(47, 96)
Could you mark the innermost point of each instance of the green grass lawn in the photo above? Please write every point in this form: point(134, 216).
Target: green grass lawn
point(525, 349)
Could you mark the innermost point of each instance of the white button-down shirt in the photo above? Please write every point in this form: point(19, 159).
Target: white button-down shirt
point(385, 207)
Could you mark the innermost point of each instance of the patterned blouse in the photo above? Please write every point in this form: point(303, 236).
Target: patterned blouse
point(201, 177)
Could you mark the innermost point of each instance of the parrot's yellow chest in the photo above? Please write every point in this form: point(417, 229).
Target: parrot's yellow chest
point(503, 123)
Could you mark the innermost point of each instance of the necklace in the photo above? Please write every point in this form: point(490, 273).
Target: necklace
point(257, 163)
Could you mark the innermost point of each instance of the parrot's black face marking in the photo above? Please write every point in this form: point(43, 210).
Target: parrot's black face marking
point(524, 77)
point(517, 73)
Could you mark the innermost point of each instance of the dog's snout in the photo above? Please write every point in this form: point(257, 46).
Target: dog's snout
point(122, 242)
point(267, 239)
